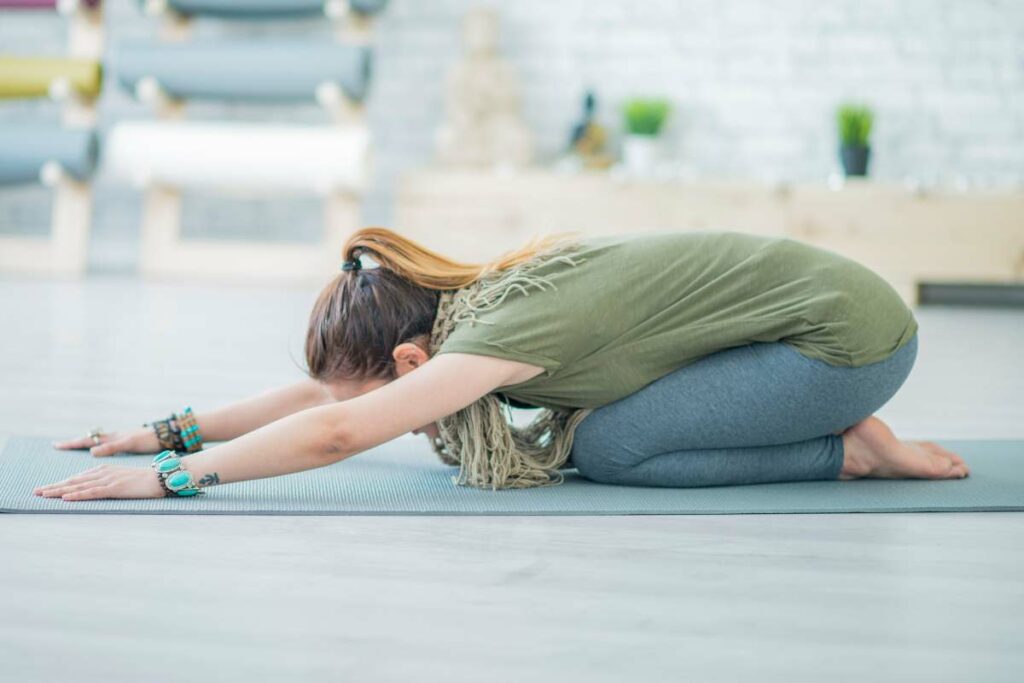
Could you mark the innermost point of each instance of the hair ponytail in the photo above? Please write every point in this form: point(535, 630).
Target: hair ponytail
point(431, 270)
point(363, 314)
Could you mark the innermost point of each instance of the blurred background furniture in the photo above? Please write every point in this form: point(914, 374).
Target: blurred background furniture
point(62, 155)
point(907, 236)
point(359, 116)
point(251, 160)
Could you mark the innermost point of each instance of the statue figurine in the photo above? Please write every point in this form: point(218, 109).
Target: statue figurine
point(589, 137)
point(483, 124)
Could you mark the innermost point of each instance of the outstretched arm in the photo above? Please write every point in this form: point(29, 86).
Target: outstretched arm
point(221, 424)
point(242, 417)
point(317, 436)
point(326, 434)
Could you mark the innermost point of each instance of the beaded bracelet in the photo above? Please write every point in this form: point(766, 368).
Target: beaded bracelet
point(191, 438)
point(179, 432)
point(163, 433)
point(175, 480)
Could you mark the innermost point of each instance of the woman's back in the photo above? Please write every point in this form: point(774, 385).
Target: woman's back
point(636, 307)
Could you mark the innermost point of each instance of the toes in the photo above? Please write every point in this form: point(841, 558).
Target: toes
point(956, 458)
point(941, 466)
point(956, 471)
point(945, 451)
point(933, 447)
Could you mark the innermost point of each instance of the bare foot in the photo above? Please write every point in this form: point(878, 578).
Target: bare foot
point(873, 451)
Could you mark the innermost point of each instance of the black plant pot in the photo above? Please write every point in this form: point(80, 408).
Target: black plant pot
point(855, 159)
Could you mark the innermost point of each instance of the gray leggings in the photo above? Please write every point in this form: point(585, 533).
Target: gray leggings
point(750, 414)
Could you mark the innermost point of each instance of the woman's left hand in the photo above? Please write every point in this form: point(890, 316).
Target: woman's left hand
point(106, 481)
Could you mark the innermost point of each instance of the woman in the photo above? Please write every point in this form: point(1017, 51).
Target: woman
point(694, 359)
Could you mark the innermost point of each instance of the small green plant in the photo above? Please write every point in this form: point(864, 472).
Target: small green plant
point(645, 116)
point(854, 122)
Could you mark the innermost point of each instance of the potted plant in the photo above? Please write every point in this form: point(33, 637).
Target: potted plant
point(644, 118)
point(854, 122)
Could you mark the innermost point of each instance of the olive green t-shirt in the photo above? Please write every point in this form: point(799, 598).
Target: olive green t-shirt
point(637, 307)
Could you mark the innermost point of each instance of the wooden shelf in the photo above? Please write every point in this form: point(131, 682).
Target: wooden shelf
point(907, 237)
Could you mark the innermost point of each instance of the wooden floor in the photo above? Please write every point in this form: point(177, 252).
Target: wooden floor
point(868, 597)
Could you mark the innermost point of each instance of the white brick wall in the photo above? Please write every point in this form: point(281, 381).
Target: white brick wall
point(754, 85)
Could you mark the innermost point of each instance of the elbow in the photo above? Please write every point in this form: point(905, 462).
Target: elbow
point(336, 443)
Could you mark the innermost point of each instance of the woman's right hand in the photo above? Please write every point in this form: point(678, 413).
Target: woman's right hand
point(136, 441)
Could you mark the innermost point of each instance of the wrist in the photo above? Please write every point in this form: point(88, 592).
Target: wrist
point(179, 432)
point(202, 475)
point(161, 487)
point(173, 475)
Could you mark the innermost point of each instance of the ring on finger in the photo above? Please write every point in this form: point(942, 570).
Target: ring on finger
point(95, 433)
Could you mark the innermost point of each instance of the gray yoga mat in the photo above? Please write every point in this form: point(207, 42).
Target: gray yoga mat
point(263, 70)
point(26, 147)
point(406, 479)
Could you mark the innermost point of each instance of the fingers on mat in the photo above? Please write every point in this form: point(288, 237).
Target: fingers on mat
point(73, 444)
point(85, 477)
point(109, 448)
point(89, 493)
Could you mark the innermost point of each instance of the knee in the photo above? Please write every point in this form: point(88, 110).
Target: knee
point(912, 346)
point(881, 381)
point(902, 362)
point(594, 456)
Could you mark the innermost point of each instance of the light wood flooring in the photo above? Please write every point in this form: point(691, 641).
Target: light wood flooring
point(861, 597)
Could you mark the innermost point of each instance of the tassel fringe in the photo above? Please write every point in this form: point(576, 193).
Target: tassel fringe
point(490, 451)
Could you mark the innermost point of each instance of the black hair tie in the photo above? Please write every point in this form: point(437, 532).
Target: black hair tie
point(353, 264)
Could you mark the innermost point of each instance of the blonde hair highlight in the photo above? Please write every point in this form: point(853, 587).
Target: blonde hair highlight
point(429, 269)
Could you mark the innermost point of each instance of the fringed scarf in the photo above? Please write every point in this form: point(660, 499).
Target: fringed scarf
point(490, 451)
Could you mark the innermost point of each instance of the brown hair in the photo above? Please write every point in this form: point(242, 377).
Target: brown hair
point(362, 315)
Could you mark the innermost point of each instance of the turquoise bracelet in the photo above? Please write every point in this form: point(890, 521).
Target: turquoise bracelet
point(174, 480)
point(191, 439)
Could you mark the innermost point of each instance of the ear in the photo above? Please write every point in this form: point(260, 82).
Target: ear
point(409, 356)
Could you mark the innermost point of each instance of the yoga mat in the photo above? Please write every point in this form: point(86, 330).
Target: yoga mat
point(32, 76)
point(247, 156)
point(26, 148)
point(404, 477)
point(265, 9)
point(265, 70)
